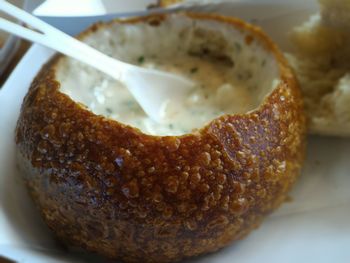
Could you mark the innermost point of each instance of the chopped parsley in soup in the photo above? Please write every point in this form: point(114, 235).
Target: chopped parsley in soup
point(230, 76)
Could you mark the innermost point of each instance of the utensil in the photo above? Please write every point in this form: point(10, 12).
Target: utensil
point(150, 88)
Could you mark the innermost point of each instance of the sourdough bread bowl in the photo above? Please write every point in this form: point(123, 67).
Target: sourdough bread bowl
point(137, 195)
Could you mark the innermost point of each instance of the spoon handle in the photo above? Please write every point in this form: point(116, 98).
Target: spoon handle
point(59, 41)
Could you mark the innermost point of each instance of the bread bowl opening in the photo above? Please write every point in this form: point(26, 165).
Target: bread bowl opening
point(232, 69)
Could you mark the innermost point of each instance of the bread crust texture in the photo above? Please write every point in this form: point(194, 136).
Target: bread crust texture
point(111, 189)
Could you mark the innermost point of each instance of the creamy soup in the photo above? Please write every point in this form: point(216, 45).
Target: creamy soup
point(229, 77)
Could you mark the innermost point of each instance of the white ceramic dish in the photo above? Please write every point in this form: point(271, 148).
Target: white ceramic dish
point(313, 227)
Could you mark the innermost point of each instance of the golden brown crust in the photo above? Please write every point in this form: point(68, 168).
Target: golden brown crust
point(166, 3)
point(111, 189)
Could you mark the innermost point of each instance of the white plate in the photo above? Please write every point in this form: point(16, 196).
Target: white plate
point(314, 227)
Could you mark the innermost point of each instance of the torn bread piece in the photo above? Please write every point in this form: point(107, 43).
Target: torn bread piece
point(322, 63)
point(336, 12)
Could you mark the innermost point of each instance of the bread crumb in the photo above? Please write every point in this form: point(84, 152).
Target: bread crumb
point(321, 61)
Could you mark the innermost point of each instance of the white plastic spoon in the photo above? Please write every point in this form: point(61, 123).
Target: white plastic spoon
point(150, 88)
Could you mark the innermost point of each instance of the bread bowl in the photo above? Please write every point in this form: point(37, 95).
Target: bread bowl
point(113, 189)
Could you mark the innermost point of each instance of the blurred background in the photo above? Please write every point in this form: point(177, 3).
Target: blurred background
point(11, 48)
